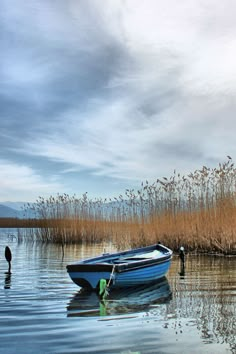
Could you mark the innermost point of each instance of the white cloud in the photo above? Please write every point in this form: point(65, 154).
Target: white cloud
point(17, 180)
point(168, 103)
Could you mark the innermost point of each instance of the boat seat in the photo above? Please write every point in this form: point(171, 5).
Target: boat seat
point(137, 257)
point(146, 255)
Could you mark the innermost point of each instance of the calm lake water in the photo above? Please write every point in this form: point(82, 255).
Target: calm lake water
point(42, 311)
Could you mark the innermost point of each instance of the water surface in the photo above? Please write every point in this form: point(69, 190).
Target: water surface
point(42, 311)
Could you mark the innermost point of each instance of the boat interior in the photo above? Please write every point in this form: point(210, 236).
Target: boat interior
point(133, 258)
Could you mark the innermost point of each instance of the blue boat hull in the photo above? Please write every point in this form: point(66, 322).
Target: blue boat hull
point(142, 275)
point(129, 278)
point(125, 269)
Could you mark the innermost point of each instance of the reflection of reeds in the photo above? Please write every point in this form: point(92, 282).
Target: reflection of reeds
point(206, 298)
point(197, 211)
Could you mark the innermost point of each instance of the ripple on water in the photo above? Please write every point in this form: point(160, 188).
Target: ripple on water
point(42, 311)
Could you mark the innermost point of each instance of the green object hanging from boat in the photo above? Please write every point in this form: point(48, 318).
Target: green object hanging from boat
point(103, 288)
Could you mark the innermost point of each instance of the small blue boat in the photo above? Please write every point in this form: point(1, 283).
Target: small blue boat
point(122, 269)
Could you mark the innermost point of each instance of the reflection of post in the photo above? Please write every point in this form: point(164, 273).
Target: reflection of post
point(182, 270)
point(182, 261)
point(7, 281)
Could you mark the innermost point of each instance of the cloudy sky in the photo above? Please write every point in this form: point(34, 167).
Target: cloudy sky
point(99, 95)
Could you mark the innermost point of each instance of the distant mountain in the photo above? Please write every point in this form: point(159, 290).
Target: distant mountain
point(12, 209)
point(15, 210)
point(14, 205)
point(7, 212)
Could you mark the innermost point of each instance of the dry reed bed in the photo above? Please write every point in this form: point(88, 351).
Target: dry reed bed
point(197, 211)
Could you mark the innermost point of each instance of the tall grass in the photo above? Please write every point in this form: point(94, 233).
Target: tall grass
point(197, 211)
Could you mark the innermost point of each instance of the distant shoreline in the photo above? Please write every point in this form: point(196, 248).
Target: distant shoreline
point(57, 225)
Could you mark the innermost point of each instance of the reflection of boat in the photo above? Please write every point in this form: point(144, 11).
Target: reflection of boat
point(122, 269)
point(119, 301)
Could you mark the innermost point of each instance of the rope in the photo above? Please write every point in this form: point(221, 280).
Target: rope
point(103, 287)
point(111, 276)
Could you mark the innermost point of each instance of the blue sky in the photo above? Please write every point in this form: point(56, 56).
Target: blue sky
point(98, 96)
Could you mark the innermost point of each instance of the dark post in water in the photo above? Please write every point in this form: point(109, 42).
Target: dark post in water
point(182, 260)
point(8, 257)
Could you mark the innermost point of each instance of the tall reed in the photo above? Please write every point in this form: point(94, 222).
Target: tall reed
point(197, 211)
